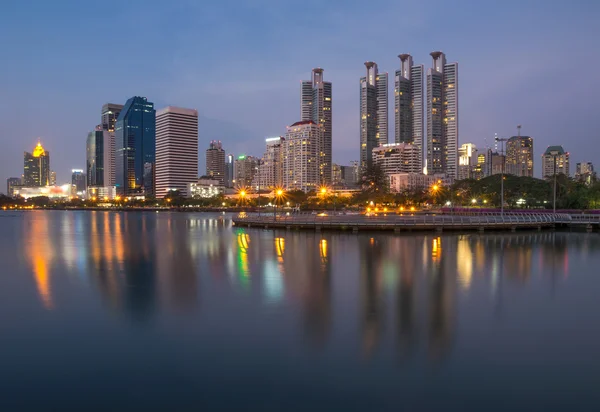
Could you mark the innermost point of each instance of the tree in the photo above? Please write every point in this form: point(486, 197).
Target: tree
point(374, 180)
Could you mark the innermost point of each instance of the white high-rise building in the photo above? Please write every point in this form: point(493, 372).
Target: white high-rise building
point(270, 170)
point(395, 158)
point(555, 161)
point(374, 126)
point(442, 116)
point(408, 105)
point(176, 149)
point(467, 160)
point(300, 154)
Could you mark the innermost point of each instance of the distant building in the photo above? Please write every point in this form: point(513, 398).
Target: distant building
point(215, 162)
point(96, 156)
point(244, 170)
point(135, 143)
point(467, 160)
point(176, 149)
point(498, 164)
point(270, 169)
point(52, 178)
point(373, 112)
point(300, 152)
point(408, 105)
point(204, 188)
point(395, 158)
point(519, 156)
point(555, 161)
point(109, 115)
point(316, 102)
point(483, 165)
point(229, 171)
point(78, 182)
point(584, 172)
point(52, 192)
point(101, 192)
point(36, 170)
point(400, 182)
point(442, 116)
point(12, 183)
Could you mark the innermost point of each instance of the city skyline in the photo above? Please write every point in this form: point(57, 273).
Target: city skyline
point(495, 96)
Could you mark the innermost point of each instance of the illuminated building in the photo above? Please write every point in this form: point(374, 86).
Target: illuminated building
point(584, 172)
point(244, 169)
point(397, 158)
point(408, 107)
point(215, 162)
point(52, 178)
point(78, 182)
point(373, 112)
point(176, 149)
point(315, 104)
point(344, 176)
point(53, 192)
point(110, 114)
point(400, 182)
point(36, 170)
point(102, 192)
point(204, 188)
point(12, 183)
point(519, 156)
point(555, 161)
point(300, 152)
point(467, 157)
point(135, 143)
point(229, 171)
point(270, 170)
point(497, 163)
point(442, 116)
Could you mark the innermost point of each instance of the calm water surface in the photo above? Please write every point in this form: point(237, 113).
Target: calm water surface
point(146, 311)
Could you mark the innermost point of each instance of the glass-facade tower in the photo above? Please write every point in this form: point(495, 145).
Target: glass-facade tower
point(135, 138)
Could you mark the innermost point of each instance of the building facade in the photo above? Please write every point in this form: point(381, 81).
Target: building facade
point(270, 170)
point(135, 143)
point(408, 105)
point(36, 168)
point(519, 156)
point(300, 157)
point(78, 182)
point(109, 115)
point(315, 104)
point(584, 172)
point(229, 171)
point(52, 178)
point(215, 162)
point(395, 158)
point(12, 183)
point(467, 161)
point(176, 149)
point(204, 188)
point(244, 170)
point(555, 161)
point(373, 112)
point(401, 182)
point(442, 116)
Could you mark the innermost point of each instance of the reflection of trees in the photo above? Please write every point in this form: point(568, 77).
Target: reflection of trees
point(372, 306)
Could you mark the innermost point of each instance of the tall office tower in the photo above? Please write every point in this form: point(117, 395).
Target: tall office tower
point(467, 160)
point(110, 114)
point(14, 182)
point(368, 115)
point(78, 181)
point(215, 162)
point(95, 158)
point(555, 161)
point(519, 156)
point(442, 116)
point(229, 170)
point(36, 168)
point(395, 158)
point(381, 82)
point(315, 104)
point(244, 170)
point(497, 163)
point(408, 105)
point(483, 165)
point(270, 170)
point(300, 153)
point(584, 172)
point(135, 142)
point(52, 178)
point(176, 150)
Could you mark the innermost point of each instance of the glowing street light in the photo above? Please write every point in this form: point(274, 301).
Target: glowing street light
point(474, 201)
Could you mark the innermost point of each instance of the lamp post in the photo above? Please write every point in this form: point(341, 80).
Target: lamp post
point(278, 194)
point(242, 195)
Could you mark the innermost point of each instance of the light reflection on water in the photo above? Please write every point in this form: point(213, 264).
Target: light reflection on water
point(366, 305)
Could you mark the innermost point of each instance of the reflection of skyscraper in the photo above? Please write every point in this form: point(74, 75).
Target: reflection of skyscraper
point(372, 303)
point(40, 252)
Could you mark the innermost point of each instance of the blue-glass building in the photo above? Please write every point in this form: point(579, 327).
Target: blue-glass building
point(135, 141)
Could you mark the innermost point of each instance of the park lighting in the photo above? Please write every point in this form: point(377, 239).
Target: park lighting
point(485, 201)
point(323, 190)
point(435, 188)
point(117, 198)
point(279, 192)
point(242, 193)
point(474, 201)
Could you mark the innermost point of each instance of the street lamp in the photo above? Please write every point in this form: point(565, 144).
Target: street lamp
point(242, 195)
point(278, 195)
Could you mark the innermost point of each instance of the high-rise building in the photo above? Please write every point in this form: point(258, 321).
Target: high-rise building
point(373, 112)
point(109, 115)
point(270, 170)
point(95, 158)
point(244, 170)
point(483, 166)
point(467, 160)
point(584, 172)
point(176, 149)
point(395, 158)
point(497, 163)
point(519, 156)
point(315, 104)
point(555, 161)
point(36, 170)
point(135, 142)
point(408, 107)
point(12, 183)
point(442, 116)
point(52, 178)
point(78, 182)
point(229, 171)
point(215, 162)
point(300, 154)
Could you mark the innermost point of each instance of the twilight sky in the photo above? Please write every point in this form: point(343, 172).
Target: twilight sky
point(240, 63)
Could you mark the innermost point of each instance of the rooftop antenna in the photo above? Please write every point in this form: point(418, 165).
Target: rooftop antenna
point(519, 130)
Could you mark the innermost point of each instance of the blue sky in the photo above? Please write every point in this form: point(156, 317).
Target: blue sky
point(240, 64)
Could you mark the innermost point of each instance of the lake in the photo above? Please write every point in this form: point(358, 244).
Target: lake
point(185, 312)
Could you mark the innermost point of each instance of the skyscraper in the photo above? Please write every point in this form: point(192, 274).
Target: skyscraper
point(467, 160)
point(368, 115)
point(176, 149)
point(95, 158)
point(442, 116)
point(215, 162)
point(229, 170)
point(315, 104)
point(135, 142)
point(78, 181)
point(300, 168)
point(395, 158)
point(109, 115)
point(519, 156)
point(244, 170)
point(408, 105)
point(36, 170)
point(11, 184)
point(555, 161)
point(270, 170)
